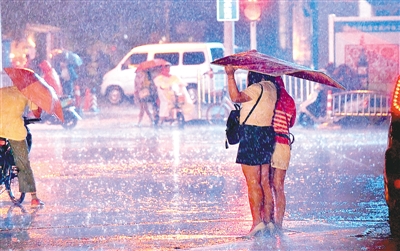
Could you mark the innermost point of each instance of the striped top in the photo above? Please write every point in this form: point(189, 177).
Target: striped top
point(284, 117)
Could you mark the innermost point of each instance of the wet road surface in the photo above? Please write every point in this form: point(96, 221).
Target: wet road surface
point(109, 185)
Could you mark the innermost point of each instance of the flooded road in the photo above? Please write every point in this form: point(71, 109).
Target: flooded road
point(109, 185)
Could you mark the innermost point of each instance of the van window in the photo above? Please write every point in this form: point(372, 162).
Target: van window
point(173, 57)
point(193, 58)
point(217, 53)
point(137, 58)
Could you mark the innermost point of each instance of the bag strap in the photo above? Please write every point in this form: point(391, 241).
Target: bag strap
point(252, 109)
point(291, 140)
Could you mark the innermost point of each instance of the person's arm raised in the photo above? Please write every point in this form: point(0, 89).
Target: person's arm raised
point(234, 93)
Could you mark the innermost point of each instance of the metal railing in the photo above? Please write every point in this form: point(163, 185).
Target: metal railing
point(344, 103)
point(360, 103)
point(209, 88)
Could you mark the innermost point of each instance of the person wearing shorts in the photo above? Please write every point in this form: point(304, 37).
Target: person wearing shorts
point(284, 118)
point(256, 143)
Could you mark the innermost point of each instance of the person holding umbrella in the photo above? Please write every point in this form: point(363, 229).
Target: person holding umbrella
point(256, 143)
point(12, 108)
point(143, 94)
point(26, 88)
point(256, 175)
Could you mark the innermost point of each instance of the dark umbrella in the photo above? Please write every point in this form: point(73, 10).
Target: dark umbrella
point(258, 62)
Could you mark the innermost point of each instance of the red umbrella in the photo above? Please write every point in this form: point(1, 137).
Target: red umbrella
point(258, 62)
point(35, 88)
point(151, 64)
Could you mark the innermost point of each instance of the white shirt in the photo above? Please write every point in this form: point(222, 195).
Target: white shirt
point(264, 111)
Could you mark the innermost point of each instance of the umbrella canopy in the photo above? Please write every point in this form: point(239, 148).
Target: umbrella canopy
point(35, 88)
point(146, 65)
point(66, 56)
point(258, 62)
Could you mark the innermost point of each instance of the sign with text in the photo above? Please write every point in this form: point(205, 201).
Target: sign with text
point(227, 10)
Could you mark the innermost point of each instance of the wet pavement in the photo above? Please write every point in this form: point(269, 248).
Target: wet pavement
point(110, 185)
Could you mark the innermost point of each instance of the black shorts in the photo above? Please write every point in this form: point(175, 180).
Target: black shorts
point(256, 145)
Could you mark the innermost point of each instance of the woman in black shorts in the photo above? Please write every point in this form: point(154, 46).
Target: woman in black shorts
point(256, 143)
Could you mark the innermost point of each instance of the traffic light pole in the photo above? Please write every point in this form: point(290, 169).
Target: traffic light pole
point(253, 35)
point(229, 37)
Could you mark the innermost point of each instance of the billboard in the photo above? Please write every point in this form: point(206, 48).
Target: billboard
point(377, 37)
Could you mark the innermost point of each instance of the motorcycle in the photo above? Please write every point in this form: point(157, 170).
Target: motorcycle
point(71, 116)
point(313, 110)
point(8, 170)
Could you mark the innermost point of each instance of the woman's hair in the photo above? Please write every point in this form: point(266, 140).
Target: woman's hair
point(255, 77)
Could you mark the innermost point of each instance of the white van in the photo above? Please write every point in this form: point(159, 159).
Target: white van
point(188, 61)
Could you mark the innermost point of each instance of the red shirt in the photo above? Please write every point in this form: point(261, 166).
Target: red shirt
point(284, 117)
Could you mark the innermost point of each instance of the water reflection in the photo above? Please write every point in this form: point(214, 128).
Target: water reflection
point(15, 223)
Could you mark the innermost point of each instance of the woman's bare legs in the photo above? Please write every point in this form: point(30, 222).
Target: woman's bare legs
point(255, 193)
point(141, 113)
point(280, 198)
point(144, 108)
point(268, 203)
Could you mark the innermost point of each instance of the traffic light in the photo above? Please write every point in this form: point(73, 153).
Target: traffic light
point(251, 9)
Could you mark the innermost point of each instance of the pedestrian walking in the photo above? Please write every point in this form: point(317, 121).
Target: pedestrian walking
point(284, 118)
point(143, 94)
point(256, 143)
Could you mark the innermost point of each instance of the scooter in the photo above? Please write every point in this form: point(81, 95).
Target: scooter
point(313, 110)
point(71, 116)
point(176, 112)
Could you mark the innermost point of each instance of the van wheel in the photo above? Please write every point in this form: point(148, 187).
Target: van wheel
point(192, 90)
point(115, 95)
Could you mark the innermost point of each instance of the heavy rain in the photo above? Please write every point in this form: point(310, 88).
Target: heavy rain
point(112, 181)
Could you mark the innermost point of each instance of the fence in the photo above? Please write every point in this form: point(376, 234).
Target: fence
point(344, 103)
point(212, 90)
point(360, 103)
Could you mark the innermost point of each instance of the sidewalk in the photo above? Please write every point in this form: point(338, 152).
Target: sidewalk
point(310, 236)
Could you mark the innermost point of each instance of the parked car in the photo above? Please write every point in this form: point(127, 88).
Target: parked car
point(188, 61)
point(392, 164)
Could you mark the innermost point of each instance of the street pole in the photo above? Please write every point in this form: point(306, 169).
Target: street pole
point(229, 37)
point(314, 43)
point(167, 21)
point(253, 35)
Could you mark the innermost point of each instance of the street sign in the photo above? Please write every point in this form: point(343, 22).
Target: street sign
point(227, 10)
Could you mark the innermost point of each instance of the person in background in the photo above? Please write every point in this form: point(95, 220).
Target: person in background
point(256, 144)
point(174, 90)
point(68, 76)
point(51, 77)
point(284, 118)
point(165, 93)
point(142, 94)
point(12, 108)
